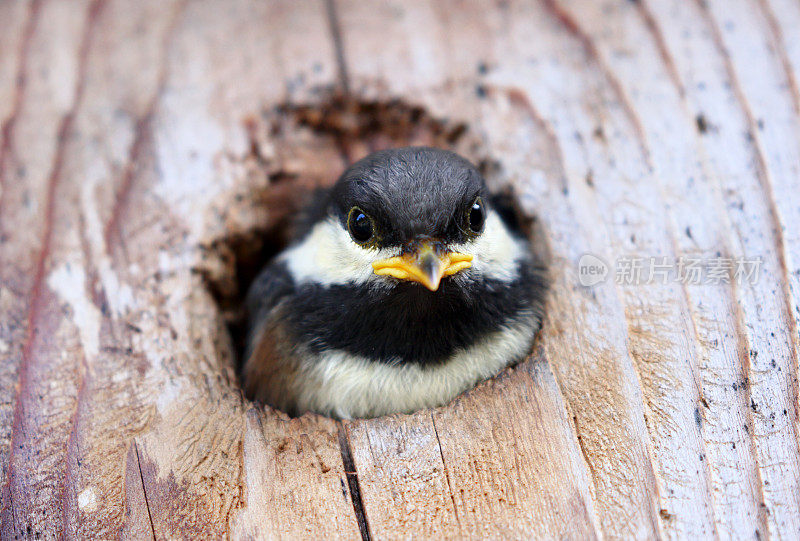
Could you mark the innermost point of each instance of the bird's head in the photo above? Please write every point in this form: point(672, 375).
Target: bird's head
point(414, 214)
point(422, 205)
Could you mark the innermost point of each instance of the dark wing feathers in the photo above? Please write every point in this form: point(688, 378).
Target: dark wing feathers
point(269, 288)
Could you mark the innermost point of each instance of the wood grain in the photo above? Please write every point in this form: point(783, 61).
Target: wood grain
point(145, 146)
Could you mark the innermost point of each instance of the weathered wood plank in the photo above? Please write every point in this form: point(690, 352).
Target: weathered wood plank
point(465, 475)
point(279, 456)
point(18, 24)
point(203, 478)
point(42, 407)
point(137, 139)
point(670, 369)
point(772, 307)
point(763, 318)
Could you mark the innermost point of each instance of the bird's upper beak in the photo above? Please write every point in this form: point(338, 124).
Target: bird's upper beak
point(424, 261)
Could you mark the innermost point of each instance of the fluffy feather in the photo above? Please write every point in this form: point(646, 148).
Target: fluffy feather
point(329, 335)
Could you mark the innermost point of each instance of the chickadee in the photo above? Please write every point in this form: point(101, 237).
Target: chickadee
point(405, 288)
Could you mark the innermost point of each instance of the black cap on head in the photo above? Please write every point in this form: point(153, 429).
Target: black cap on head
point(410, 192)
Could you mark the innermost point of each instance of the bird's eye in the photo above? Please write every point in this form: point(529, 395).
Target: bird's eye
point(476, 216)
point(360, 225)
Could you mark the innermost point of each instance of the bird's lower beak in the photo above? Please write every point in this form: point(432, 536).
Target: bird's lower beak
point(425, 263)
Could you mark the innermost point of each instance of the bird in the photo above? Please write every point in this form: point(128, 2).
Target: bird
point(406, 283)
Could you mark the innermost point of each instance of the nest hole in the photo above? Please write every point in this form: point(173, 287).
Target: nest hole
point(294, 150)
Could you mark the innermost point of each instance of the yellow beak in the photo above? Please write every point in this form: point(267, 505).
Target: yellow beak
point(424, 265)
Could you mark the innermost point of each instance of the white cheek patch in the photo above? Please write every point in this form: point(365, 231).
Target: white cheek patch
point(495, 252)
point(329, 256)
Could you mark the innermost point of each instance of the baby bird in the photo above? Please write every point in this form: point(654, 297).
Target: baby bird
point(405, 287)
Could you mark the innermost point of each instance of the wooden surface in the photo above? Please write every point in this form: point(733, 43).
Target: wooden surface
point(141, 154)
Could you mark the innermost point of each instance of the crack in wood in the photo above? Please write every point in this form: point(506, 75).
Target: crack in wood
point(572, 27)
point(446, 473)
point(700, 395)
point(72, 445)
point(520, 99)
point(142, 133)
point(781, 51)
point(661, 46)
point(744, 360)
point(338, 45)
point(144, 488)
point(352, 482)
